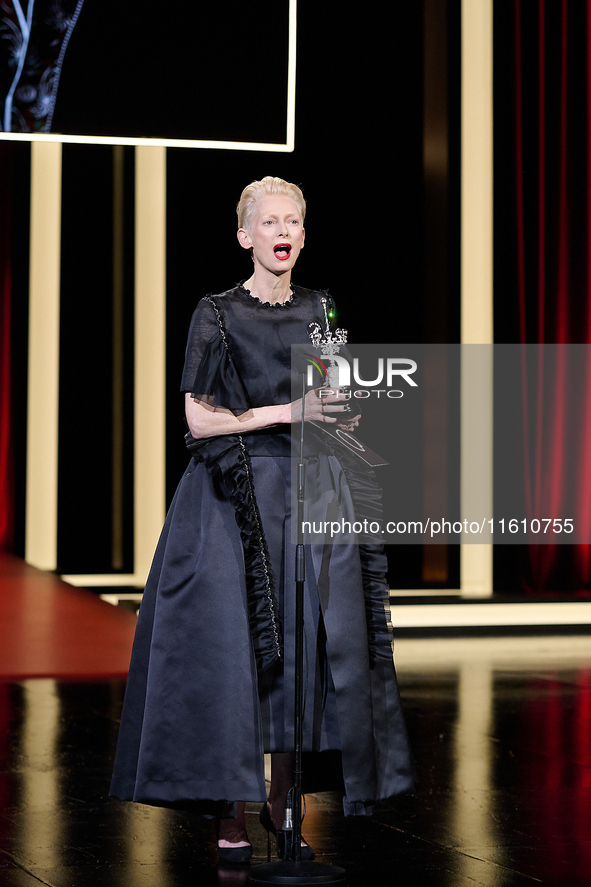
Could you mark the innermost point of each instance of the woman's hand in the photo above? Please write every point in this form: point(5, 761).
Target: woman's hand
point(325, 405)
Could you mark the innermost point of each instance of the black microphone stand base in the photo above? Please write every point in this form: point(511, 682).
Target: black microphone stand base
point(288, 873)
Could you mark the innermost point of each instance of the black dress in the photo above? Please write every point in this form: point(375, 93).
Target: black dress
point(206, 694)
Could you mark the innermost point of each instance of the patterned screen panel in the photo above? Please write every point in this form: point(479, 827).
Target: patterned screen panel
point(189, 71)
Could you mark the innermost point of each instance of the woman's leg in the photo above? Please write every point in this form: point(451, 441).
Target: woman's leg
point(232, 832)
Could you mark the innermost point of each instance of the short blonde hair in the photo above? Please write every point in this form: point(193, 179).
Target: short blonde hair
point(264, 188)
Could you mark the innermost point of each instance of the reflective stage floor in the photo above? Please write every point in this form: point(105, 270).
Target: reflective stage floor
point(500, 728)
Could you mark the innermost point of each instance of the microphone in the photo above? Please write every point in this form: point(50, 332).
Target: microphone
point(285, 833)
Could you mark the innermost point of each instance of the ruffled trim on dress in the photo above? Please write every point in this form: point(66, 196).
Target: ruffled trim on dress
point(366, 495)
point(227, 460)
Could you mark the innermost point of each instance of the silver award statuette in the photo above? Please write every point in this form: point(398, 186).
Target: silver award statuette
point(329, 344)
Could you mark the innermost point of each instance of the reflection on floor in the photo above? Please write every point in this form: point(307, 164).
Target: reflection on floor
point(501, 730)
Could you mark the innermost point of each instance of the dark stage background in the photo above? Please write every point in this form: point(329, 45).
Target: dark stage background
point(359, 159)
point(382, 228)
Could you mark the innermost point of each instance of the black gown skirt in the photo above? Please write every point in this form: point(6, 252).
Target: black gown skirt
point(198, 714)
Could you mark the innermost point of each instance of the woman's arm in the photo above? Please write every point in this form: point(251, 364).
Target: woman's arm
point(206, 422)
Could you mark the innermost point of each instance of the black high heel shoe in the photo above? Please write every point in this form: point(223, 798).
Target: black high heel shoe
point(234, 854)
point(231, 854)
point(267, 823)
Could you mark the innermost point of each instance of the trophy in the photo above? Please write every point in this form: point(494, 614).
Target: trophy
point(329, 343)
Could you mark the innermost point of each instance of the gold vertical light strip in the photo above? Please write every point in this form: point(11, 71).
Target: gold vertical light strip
point(150, 347)
point(477, 270)
point(43, 359)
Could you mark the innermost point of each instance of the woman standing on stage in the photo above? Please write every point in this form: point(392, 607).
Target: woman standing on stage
point(210, 688)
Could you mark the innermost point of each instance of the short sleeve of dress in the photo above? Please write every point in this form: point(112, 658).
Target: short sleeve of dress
point(203, 329)
point(210, 374)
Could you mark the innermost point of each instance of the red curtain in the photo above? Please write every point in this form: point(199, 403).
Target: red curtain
point(550, 261)
point(6, 435)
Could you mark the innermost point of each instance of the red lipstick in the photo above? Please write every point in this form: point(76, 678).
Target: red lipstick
point(282, 250)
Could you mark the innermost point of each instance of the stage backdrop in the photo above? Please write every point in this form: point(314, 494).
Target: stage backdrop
point(358, 157)
point(542, 255)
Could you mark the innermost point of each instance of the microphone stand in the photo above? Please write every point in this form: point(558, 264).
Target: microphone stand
point(294, 870)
